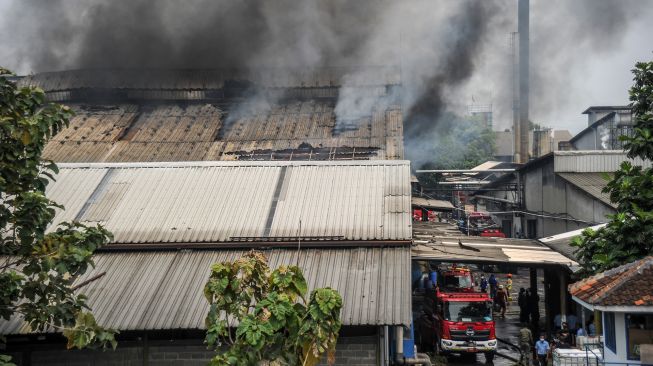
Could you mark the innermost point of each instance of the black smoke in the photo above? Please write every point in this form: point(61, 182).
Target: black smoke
point(70, 34)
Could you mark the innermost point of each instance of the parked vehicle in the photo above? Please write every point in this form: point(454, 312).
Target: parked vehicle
point(455, 278)
point(464, 324)
point(480, 224)
point(458, 323)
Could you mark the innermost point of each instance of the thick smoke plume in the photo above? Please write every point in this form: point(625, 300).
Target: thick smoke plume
point(447, 51)
point(67, 34)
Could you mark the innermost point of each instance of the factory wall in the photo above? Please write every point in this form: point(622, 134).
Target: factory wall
point(351, 350)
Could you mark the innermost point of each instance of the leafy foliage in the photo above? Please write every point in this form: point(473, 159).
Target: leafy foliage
point(629, 234)
point(274, 321)
point(458, 143)
point(37, 269)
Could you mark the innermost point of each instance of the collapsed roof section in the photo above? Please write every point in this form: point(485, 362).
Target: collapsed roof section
point(185, 115)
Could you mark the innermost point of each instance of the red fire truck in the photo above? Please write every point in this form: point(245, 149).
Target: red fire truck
point(457, 319)
point(463, 323)
point(456, 278)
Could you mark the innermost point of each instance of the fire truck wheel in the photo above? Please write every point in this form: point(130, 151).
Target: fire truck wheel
point(489, 357)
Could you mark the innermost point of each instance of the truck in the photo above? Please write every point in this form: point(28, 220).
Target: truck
point(460, 323)
point(455, 278)
point(480, 224)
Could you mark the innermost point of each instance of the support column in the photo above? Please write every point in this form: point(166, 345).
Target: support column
point(535, 305)
point(563, 297)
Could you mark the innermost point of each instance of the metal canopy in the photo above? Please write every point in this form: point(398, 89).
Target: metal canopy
point(525, 252)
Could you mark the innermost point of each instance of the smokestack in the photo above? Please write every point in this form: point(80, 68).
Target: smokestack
point(524, 53)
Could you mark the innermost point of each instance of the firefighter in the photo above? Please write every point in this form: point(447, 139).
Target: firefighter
point(509, 286)
point(483, 284)
point(501, 299)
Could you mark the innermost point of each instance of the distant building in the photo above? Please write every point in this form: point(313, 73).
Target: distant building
point(481, 113)
point(556, 193)
point(623, 299)
point(547, 140)
point(503, 145)
point(604, 126)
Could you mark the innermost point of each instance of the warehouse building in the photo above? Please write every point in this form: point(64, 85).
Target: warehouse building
point(171, 221)
point(557, 193)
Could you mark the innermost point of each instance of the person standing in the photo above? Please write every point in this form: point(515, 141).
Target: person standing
point(542, 350)
point(493, 285)
point(509, 286)
point(525, 342)
point(483, 284)
point(501, 299)
point(521, 301)
point(534, 302)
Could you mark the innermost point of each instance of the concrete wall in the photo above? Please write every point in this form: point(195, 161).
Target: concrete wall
point(589, 141)
point(361, 351)
point(548, 194)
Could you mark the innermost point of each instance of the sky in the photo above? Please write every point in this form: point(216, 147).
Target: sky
point(582, 51)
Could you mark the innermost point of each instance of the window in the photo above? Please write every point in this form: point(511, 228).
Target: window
point(609, 330)
point(639, 330)
point(476, 311)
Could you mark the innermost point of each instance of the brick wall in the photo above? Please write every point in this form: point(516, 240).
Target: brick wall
point(355, 351)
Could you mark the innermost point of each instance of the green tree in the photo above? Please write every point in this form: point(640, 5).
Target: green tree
point(260, 315)
point(458, 143)
point(38, 267)
point(628, 235)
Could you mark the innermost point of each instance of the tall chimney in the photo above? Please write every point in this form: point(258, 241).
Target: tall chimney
point(524, 56)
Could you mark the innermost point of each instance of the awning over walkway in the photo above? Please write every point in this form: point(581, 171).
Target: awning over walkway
point(430, 204)
point(488, 250)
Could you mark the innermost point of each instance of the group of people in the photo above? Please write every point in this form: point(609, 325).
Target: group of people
point(529, 308)
point(498, 293)
point(563, 339)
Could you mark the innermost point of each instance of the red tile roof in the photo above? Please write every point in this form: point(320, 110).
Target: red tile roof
point(627, 285)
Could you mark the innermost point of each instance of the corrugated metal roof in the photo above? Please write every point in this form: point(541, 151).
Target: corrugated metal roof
point(212, 79)
point(561, 243)
point(217, 202)
point(486, 250)
point(186, 132)
point(593, 161)
point(431, 203)
point(590, 183)
point(164, 290)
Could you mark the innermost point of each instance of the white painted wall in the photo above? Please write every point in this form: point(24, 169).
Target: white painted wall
point(622, 348)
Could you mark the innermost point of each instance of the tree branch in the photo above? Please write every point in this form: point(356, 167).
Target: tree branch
point(84, 283)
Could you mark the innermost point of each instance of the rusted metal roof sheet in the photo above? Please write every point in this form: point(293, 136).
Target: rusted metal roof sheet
point(212, 79)
point(218, 202)
point(176, 132)
point(432, 204)
point(431, 244)
point(164, 290)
